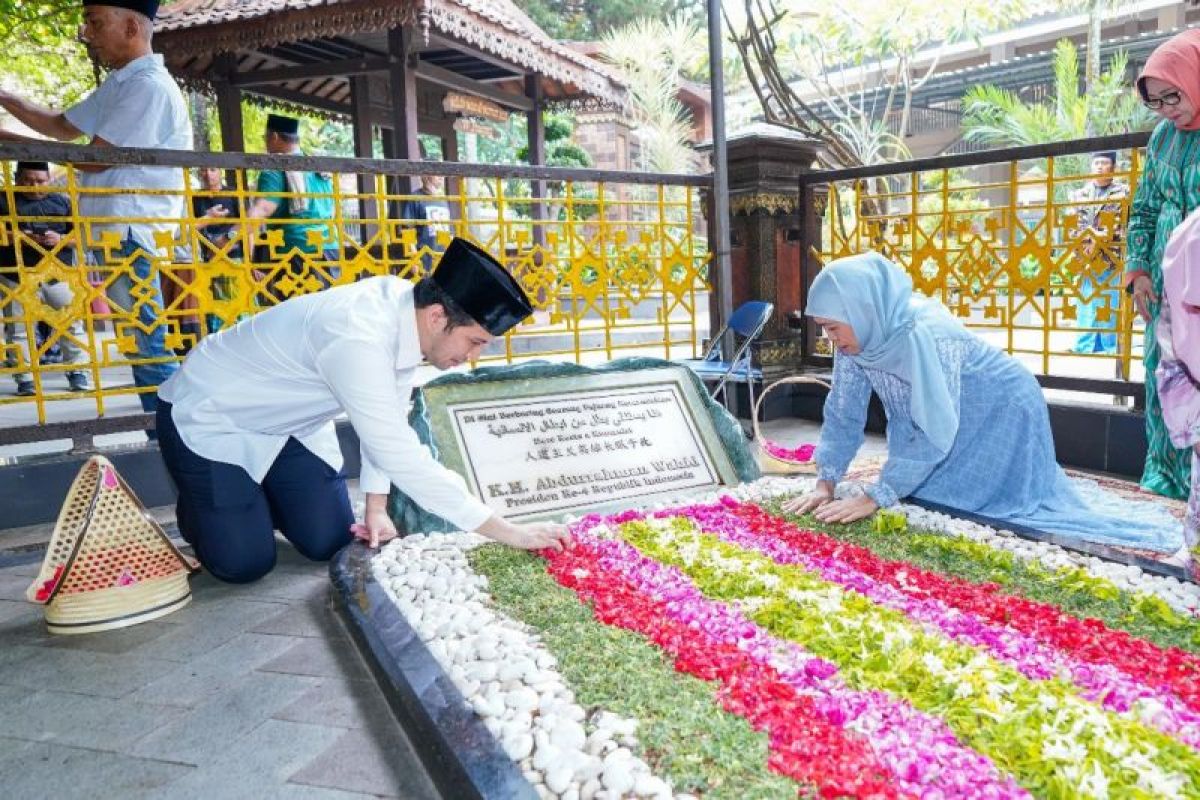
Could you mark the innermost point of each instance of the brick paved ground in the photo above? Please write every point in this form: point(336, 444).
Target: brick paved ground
point(248, 692)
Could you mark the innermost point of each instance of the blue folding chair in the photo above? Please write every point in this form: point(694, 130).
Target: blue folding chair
point(745, 326)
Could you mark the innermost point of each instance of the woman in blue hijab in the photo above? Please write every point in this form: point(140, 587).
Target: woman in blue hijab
point(967, 425)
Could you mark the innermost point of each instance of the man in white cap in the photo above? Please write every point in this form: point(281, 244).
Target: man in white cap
point(137, 105)
point(246, 425)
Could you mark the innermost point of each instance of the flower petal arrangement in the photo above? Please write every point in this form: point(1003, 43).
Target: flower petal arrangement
point(724, 649)
point(801, 454)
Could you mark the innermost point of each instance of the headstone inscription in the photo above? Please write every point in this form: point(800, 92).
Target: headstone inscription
point(539, 441)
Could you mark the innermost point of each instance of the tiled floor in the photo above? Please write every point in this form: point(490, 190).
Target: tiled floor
point(248, 692)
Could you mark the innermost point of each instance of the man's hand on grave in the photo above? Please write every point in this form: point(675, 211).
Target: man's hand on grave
point(380, 528)
point(539, 535)
point(532, 536)
point(377, 527)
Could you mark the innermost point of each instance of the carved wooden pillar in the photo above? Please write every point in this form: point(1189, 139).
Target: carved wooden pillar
point(402, 93)
point(537, 156)
point(360, 103)
point(769, 226)
point(229, 104)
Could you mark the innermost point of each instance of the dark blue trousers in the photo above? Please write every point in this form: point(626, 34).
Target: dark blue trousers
point(230, 520)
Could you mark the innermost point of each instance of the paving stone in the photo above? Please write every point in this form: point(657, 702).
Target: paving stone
point(12, 655)
point(259, 762)
point(254, 790)
point(81, 671)
point(28, 570)
point(10, 697)
point(288, 584)
point(288, 557)
point(96, 723)
point(121, 640)
point(191, 683)
point(12, 587)
point(11, 694)
point(366, 761)
point(342, 703)
point(320, 657)
point(47, 769)
point(22, 619)
point(205, 733)
point(13, 749)
point(295, 791)
point(27, 627)
point(207, 591)
point(17, 610)
point(89, 699)
point(310, 618)
point(199, 630)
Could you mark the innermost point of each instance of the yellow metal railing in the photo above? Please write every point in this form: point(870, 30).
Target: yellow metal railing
point(999, 241)
point(613, 267)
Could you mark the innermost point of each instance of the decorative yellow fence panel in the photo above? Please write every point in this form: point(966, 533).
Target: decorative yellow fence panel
point(1004, 246)
point(613, 268)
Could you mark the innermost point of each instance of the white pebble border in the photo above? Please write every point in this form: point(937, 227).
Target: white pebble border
point(1182, 596)
point(509, 677)
point(505, 672)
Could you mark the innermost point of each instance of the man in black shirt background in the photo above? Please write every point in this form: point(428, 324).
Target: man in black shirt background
point(429, 214)
point(38, 242)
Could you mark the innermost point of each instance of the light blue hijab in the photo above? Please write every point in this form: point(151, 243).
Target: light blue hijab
point(896, 332)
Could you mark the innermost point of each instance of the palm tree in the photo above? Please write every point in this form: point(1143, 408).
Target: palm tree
point(653, 55)
point(1000, 117)
point(870, 141)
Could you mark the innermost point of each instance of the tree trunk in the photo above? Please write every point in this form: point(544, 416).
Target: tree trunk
point(906, 109)
point(199, 105)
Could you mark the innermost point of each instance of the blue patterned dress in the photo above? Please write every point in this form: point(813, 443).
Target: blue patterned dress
point(1001, 464)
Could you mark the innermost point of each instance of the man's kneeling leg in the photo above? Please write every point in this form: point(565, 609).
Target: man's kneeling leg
point(309, 502)
point(221, 511)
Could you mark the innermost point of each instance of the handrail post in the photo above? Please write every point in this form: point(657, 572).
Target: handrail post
point(720, 205)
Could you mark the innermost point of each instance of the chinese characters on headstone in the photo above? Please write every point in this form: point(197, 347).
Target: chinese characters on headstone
point(577, 449)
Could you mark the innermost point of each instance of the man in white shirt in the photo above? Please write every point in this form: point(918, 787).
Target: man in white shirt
point(246, 425)
point(137, 105)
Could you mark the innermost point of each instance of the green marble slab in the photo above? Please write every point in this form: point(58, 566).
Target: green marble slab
point(542, 440)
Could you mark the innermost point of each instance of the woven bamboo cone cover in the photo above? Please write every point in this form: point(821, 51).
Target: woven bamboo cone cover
point(109, 563)
point(768, 463)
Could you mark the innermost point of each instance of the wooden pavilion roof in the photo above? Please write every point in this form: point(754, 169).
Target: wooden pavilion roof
point(487, 41)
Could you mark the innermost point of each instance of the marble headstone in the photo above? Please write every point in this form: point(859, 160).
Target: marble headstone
point(538, 440)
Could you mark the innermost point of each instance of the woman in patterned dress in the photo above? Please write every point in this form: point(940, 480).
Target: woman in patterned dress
point(967, 426)
point(1168, 191)
point(1178, 332)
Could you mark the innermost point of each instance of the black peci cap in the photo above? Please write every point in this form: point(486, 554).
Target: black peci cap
point(33, 166)
point(282, 124)
point(147, 8)
point(482, 287)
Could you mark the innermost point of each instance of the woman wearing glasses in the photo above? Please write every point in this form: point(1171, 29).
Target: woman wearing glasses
point(1168, 191)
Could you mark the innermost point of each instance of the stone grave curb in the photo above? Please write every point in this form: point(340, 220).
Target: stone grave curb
point(462, 757)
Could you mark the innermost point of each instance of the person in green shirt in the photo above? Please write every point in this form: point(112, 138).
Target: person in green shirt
point(299, 204)
point(1169, 190)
